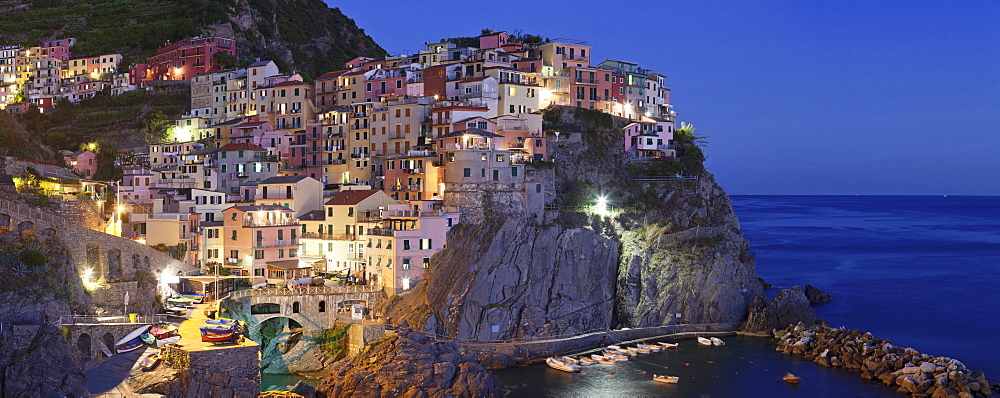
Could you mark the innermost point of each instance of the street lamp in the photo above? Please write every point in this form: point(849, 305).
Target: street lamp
point(601, 208)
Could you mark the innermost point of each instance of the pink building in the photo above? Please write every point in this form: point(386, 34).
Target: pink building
point(262, 241)
point(182, 60)
point(83, 163)
point(649, 138)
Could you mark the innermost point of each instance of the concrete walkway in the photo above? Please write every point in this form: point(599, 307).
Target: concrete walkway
point(107, 380)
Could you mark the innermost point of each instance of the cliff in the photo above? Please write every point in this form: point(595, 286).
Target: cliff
point(39, 285)
point(409, 365)
point(303, 35)
point(666, 252)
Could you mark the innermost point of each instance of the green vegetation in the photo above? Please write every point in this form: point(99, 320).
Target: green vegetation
point(18, 142)
point(593, 119)
point(136, 28)
point(334, 341)
point(689, 147)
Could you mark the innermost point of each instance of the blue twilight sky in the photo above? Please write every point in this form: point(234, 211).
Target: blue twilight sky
point(797, 97)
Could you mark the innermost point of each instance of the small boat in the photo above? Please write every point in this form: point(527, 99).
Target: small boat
point(614, 356)
point(643, 350)
point(704, 341)
point(556, 363)
point(181, 302)
point(168, 340)
point(105, 350)
point(570, 360)
point(789, 377)
point(584, 361)
point(195, 297)
point(216, 337)
point(717, 341)
point(149, 363)
point(668, 345)
point(159, 332)
point(148, 338)
point(632, 351)
point(131, 341)
point(606, 361)
point(666, 379)
point(614, 347)
point(653, 348)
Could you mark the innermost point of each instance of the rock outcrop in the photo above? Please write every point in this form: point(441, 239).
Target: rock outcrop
point(903, 369)
point(816, 296)
point(409, 365)
point(790, 307)
point(670, 253)
point(36, 361)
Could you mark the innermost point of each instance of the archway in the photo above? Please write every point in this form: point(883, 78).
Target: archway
point(4, 221)
point(145, 263)
point(83, 344)
point(25, 226)
point(279, 334)
point(295, 307)
point(94, 259)
point(136, 261)
point(114, 263)
point(49, 233)
point(322, 306)
point(265, 308)
point(109, 341)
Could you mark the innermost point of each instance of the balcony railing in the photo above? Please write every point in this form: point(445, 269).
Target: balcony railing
point(401, 188)
point(317, 235)
point(269, 223)
point(381, 231)
point(330, 162)
point(586, 81)
point(276, 243)
point(413, 171)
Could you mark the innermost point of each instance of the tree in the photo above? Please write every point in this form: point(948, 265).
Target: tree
point(224, 60)
point(153, 124)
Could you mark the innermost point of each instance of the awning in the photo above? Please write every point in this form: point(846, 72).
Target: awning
point(288, 264)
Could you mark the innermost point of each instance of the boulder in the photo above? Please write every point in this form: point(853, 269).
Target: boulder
point(409, 364)
point(815, 295)
point(790, 306)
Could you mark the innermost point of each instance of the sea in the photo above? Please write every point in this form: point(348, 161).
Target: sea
point(921, 271)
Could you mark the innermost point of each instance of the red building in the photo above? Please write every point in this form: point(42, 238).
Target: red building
point(183, 60)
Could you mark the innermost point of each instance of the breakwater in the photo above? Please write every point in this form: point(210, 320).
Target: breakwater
point(904, 369)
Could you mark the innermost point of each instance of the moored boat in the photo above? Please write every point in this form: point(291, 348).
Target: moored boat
point(668, 345)
point(131, 341)
point(559, 364)
point(570, 360)
point(614, 347)
point(704, 341)
point(643, 350)
point(717, 341)
point(216, 337)
point(168, 340)
point(148, 338)
point(667, 379)
point(789, 377)
point(584, 361)
point(149, 363)
point(653, 348)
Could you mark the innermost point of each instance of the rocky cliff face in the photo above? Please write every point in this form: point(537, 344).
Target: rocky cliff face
point(666, 252)
point(409, 365)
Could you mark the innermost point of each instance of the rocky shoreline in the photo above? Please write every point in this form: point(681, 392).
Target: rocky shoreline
point(905, 369)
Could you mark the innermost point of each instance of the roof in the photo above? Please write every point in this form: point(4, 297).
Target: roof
point(475, 79)
point(287, 264)
point(204, 151)
point(291, 83)
point(243, 146)
point(351, 197)
point(77, 153)
point(262, 208)
point(283, 179)
point(472, 131)
point(249, 124)
point(315, 215)
point(260, 63)
point(208, 224)
point(331, 75)
point(230, 122)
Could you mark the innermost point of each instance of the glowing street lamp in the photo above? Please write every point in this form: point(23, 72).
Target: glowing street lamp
point(601, 208)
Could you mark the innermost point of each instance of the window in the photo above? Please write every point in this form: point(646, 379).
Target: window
point(496, 175)
point(406, 244)
point(512, 91)
point(499, 158)
point(258, 254)
point(406, 264)
point(425, 244)
point(281, 253)
point(466, 172)
point(234, 234)
point(513, 171)
point(427, 262)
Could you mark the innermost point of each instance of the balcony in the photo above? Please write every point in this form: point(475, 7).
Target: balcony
point(317, 235)
point(359, 156)
point(395, 136)
point(331, 162)
point(252, 222)
point(413, 171)
point(512, 127)
point(265, 157)
point(586, 81)
point(405, 188)
point(261, 243)
point(381, 231)
point(410, 213)
point(375, 218)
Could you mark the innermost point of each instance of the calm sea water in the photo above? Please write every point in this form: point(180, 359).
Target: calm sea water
point(918, 270)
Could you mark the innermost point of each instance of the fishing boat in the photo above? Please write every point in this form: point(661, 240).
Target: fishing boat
point(131, 341)
point(789, 377)
point(666, 379)
point(559, 364)
point(149, 363)
point(195, 297)
point(615, 356)
point(148, 338)
point(606, 361)
point(643, 350)
point(632, 351)
point(158, 332)
point(168, 340)
point(218, 330)
point(717, 341)
point(615, 347)
point(183, 302)
point(216, 338)
point(570, 360)
point(704, 341)
point(584, 361)
point(653, 348)
point(668, 345)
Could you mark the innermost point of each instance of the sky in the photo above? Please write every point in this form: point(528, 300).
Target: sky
point(796, 97)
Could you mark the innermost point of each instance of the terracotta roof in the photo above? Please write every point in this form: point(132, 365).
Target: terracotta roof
point(351, 197)
point(241, 147)
point(291, 83)
point(473, 131)
point(331, 75)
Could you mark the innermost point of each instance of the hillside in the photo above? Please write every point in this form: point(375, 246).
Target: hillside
point(302, 35)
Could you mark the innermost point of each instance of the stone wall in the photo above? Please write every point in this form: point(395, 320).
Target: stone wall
point(476, 200)
point(222, 372)
point(358, 336)
point(87, 340)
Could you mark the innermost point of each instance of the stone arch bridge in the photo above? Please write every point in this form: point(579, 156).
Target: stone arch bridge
point(315, 308)
point(108, 257)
